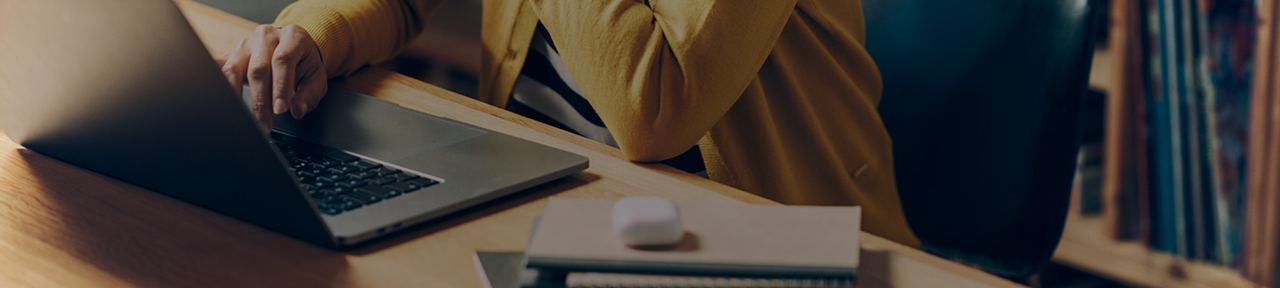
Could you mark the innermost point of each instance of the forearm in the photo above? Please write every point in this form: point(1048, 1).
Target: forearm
point(660, 77)
point(354, 33)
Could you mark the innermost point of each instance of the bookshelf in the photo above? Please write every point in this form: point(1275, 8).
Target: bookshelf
point(1092, 243)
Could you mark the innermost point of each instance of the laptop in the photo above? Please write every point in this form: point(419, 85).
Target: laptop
point(125, 88)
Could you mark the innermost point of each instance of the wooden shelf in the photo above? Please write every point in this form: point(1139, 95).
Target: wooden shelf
point(1086, 246)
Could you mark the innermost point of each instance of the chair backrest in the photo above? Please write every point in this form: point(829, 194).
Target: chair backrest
point(981, 99)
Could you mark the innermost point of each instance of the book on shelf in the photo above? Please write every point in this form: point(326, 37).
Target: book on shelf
point(1227, 31)
point(1161, 98)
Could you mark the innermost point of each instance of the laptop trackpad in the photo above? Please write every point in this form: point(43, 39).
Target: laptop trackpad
point(373, 127)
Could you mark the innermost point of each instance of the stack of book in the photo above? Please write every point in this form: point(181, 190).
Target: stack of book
point(573, 245)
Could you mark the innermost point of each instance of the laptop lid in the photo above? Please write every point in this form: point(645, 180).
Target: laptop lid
point(118, 87)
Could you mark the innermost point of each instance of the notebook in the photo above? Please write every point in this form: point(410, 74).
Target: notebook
point(125, 88)
point(505, 270)
point(720, 240)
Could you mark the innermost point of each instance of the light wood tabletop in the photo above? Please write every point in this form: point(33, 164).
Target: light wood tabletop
point(63, 226)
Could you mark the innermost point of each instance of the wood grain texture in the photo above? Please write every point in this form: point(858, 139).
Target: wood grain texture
point(63, 226)
point(1259, 173)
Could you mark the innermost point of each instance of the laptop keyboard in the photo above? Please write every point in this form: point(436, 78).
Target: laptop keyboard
point(339, 182)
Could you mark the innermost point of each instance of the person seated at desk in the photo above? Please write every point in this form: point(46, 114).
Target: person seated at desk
point(779, 95)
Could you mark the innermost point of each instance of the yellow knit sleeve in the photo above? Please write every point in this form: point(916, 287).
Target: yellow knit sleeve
point(661, 75)
point(354, 33)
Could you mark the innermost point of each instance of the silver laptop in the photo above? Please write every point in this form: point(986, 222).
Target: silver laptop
point(126, 89)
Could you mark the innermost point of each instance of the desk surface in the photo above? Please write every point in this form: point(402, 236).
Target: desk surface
point(65, 226)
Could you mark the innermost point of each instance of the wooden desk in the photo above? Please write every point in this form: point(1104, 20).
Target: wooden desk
point(65, 226)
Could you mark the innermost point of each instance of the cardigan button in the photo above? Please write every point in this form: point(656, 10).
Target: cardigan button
point(861, 169)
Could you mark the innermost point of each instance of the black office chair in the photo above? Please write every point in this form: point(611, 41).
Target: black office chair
point(981, 99)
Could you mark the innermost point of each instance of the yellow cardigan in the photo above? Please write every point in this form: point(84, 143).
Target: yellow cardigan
point(781, 94)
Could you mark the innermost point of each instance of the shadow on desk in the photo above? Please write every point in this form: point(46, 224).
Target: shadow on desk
point(146, 238)
point(873, 268)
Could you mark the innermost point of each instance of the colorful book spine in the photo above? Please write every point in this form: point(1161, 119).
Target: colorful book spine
point(1228, 50)
point(1160, 89)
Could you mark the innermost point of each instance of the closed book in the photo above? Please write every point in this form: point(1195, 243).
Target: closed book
point(1161, 138)
point(506, 270)
point(618, 280)
point(1228, 66)
point(719, 240)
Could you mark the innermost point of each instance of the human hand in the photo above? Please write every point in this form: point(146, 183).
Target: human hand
point(282, 68)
